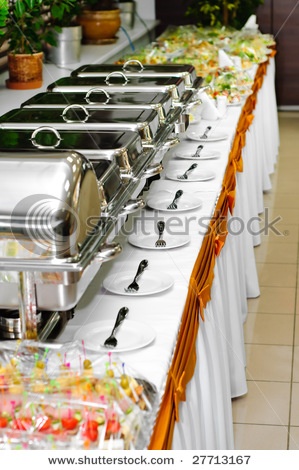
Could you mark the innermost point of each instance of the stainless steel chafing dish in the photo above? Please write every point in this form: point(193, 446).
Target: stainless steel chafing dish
point(183, 97)
point(134, 68)
point(125, 148)
point(118, 82)
point(99, 98)
point(76, 117)
point(56, 214)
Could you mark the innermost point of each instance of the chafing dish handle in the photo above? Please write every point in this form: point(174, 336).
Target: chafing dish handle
point(107, 252)
point(97, 90)
point(152, 170)
point(115, 74)
point(169, 143)
point(133, 62)
point(191, 105)
point(45, 128)
point(131, 206)
point(75, 106)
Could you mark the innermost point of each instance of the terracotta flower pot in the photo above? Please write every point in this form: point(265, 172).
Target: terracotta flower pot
point(25, 71)
point(99, 27)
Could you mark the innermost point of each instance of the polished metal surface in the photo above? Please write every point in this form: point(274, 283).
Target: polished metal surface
point(46, 200)
point(174, 86)
point(134, 68)
point(99, 98)
point(77, 117)
point(123, 147)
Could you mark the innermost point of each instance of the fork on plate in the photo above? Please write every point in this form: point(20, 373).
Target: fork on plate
point(173, 204)
point(185, 175)
point(111, 341)
point(160, 242)
point(197, 152)
point(205, 134)
point(134, 286)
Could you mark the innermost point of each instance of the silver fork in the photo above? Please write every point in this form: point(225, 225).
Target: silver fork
point(184, 176)
point(134, 287)
point(173, 204)
point(198, 150)
point(161, 226)
point(111, 341)
point(205, 134)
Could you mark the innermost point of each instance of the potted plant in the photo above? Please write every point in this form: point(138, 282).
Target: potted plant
point(3, 47)
point(100, 20)
point(222, 12)
point(28, 26)
point(24, 32)
point(67, 32)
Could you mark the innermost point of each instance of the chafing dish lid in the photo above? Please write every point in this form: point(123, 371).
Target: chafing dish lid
point(47, 200)
point(158, 84)
point(78, 117)
point(134, 68)
point(88, 142)
point(97, 97)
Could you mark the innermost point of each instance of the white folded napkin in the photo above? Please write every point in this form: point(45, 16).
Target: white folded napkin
point(209, 109)
point(224, 60)
point(251, 23)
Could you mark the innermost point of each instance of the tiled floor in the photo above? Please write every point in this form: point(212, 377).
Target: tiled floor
point(267, 417)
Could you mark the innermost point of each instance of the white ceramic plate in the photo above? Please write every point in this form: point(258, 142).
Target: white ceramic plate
point(188, 154)
point(161, 200)
point(150, 282)
point(130, 335)
point(212, 136)
point(195, 175)
point(148, 241)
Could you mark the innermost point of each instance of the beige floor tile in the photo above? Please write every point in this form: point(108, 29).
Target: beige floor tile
point(297, 297)
point(273, 329)
point(266, 362)
point(277, 252)
point(296, 364)
point(283, 233)
point(295, 405)
point(287, 186)
point(290, 165)
point(281, 215)
point(260, 437)
point(265, 403)
point(276, 274)
point(294, 438)
point(273, 300)
point(296, 339)
point(286, 200)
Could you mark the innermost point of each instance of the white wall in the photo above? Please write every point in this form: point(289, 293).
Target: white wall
point(146, 9)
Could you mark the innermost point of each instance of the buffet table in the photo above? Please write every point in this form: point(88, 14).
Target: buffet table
point(198, 321)
point(188, 337)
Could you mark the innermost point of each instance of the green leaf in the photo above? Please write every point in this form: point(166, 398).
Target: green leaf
point(20, 8)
